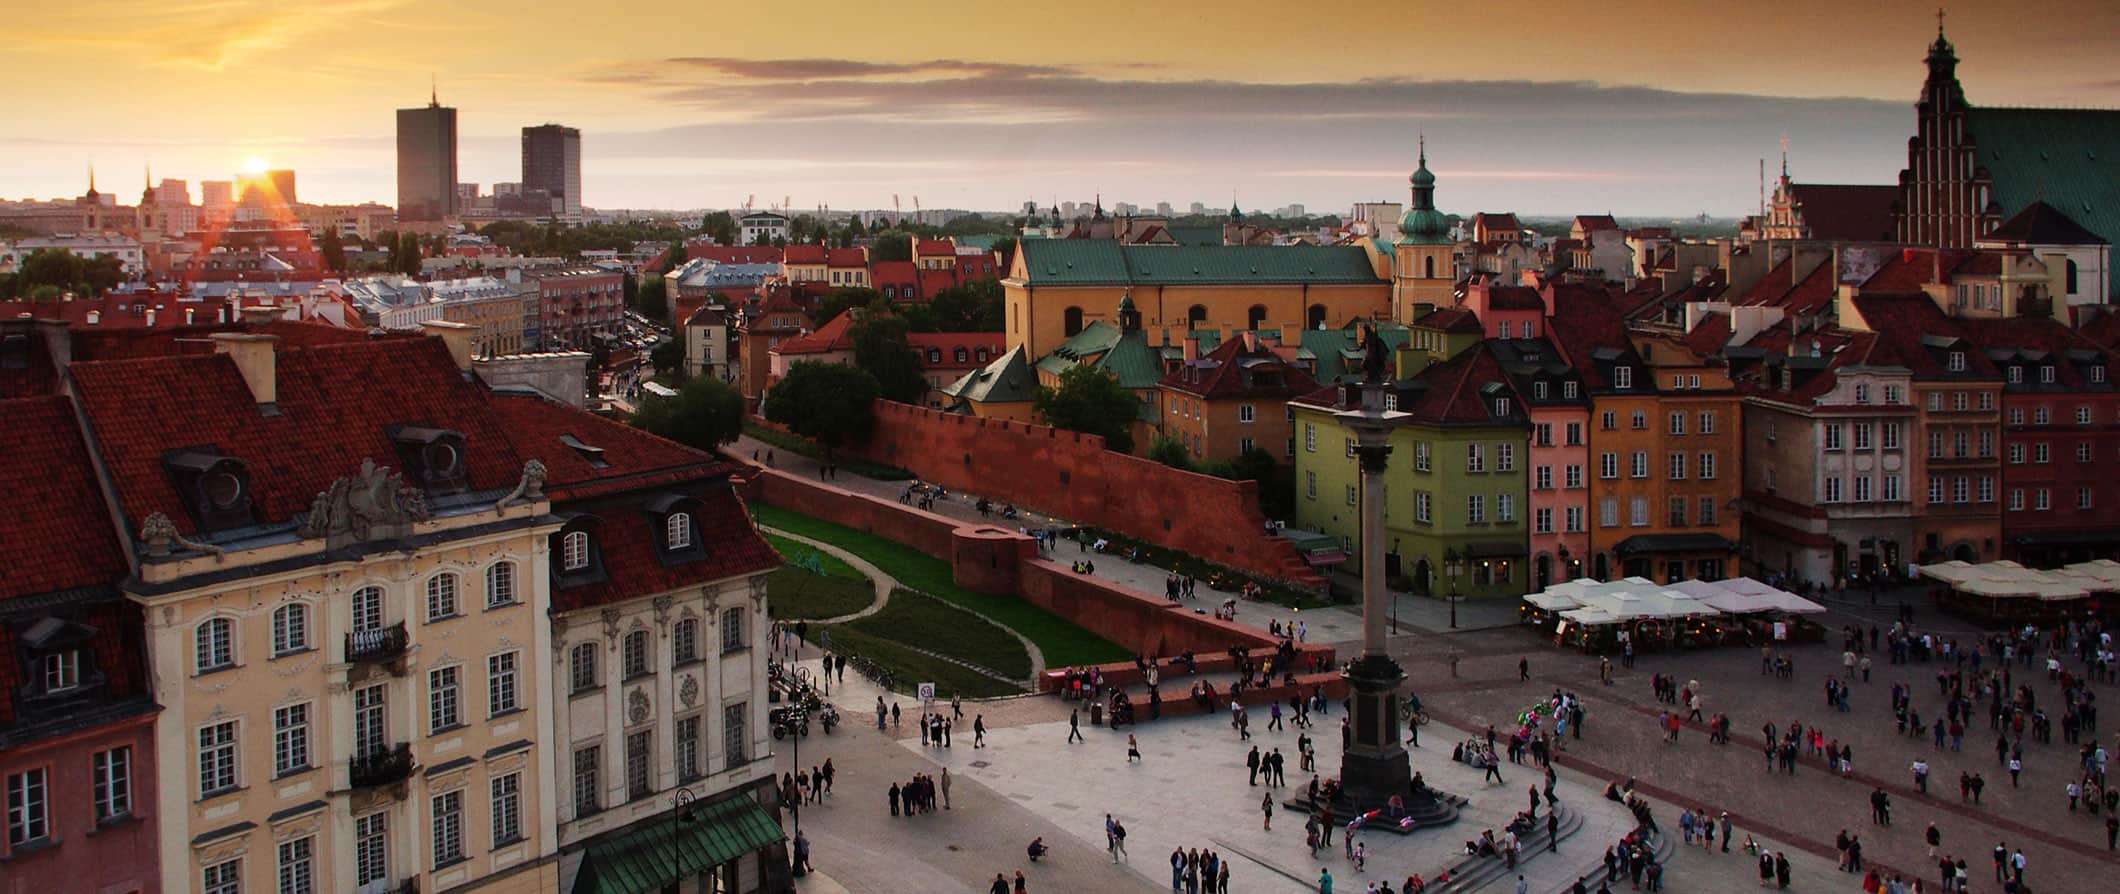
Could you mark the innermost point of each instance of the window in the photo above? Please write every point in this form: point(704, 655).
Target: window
point(2083, 415)
point(1310, 437)
point(2083, 498)
point(1245, 445)
point(2041, 416)
point(297, 872)
point(1573, 476)
point(1475, 457)
point(1862, 488)
point(1623, 377)
point(1575, 434)
point(1935, 444)
point(225, 877)
point(217, 759)
point(732, 632)
point(1862, 393)
point(2041, 453)
point(1423, 507)
point(586, 797)
point(2016, 415)
point(2014, 374)
point(1891, 436)
point(28, 807)
point(1641, 464)
point(500, 684)
point(1892, 394)
point(677, 530)
point(507, 808)
point(1608, 420)
point(1570, 390)
point(1420, 456)
point(448, 828)
point(290, 628)
point(1542, 477)
point(1540, 390)
point(1707, 512)
point(1608, 466)
point(1246, 413)
point(685, 741)
point(2017, 454)
point(1833, 436)
point(62, 671)
point(1961, 489)
point(2083, 451)
point(1505, 508)
point(639, 782)
point(734, 744)
point(1678, 423)
point(500, 584)
point(2097, 372)
point(1862, 435)
point(290, 739)
point(2016, 499)
point(2046, 374)
point(1677, 512)
point(370, 723)
point(215, 646)
point(633, 654)
point(2042, 500)
point(1501, 406)
point(1574, 518)
point(1935, 401)
point(1958, 442)
point(367, 609)
point(574, 551)
point(1351, 495)
point(1608, 512)
point(1832, 485)
point(581, 667)
point(111, 777)
point(1505, 457)
point(371, 854)
point(1957, 361)
point(1678, 465)
point(1638, 512)
point(1350, 448)
point(1935, 489)
point(443, 703)
point(441, 597)
point(1707, 465)
point(1641, 420)
point(1542, 520)
point(1707, 422)
point(1310, 485)
point(1958, 401)
point(1476, 509)
point(684, 641)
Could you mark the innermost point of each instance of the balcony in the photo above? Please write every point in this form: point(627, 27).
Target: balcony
point(388, 765)
point(381, 644)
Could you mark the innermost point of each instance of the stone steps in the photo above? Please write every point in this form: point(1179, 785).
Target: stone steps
point(1473, 873)
point(1661, 845)
point(1441, 811)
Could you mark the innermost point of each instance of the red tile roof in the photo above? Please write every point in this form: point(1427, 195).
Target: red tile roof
point(846, 257)
point(1221, 373)
point(632, 569)
point(1591, 223)
point(1515, 298)
point(733, 254)
point(804, 253)
point(56, 535)
point(835, 335)
point(1585, 320)
point(631, 458)
point(1450, 319)
point(931, 247)
point(2034, 334)
point(947, 343)
point(1812, 294)
point(1902, 321)
point(1710, 335)
point(901, 274)
point(2104, 328)
point(331, 416)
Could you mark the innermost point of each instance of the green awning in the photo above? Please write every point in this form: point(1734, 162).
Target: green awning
point(666, 850)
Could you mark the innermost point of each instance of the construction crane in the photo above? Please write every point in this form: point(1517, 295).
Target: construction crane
point(896, 212)
point(748, 201)
point(916, 211)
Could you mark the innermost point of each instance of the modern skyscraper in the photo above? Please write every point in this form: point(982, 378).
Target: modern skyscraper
point(217, 193)
point(552, 162)
point(426, 157)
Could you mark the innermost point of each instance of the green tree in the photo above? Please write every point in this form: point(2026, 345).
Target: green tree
point(854, 230)
point(880, 346)
point(834, 405)
point(706, 413)
point(1170, 452)
point(408, 254)
point(892, 246)
point(840, 299)
point(1005, 248)
point(654, 301)
point(1090, 400)
point(334, 251)
point(970, 308)
point(720, 226)
point(668, 358)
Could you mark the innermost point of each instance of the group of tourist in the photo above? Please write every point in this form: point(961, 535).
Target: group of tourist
point(920, 795)
point(1198, 872)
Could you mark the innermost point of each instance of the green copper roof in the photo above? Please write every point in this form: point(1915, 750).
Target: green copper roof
point(1104, 346)
point(1064, 262)
point(1196, 235)
point(1006, 380)
point(2066, 157)
point(661, 852)
point(1335, 351)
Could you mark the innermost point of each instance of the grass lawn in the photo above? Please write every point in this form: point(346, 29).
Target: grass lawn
point(781, 440)
point(927, 622)
point(909, 669)
point(795, 594)
point(1061, 640)
point(830, 564)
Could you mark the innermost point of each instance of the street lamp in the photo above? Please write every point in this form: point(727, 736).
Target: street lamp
point(1453, 565)
point(681, 816)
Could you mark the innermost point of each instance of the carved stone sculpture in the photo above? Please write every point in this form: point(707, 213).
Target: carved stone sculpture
point(376, 502)
point(528, 490)
point(159, 533)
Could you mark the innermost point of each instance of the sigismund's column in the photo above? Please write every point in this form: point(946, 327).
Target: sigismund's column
point(1374, 767)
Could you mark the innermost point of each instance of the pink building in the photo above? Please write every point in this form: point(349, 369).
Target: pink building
point(1558, 495)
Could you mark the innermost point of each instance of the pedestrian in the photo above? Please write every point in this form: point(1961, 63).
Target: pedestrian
point(1266, 807)
point(894, 794)
point(945, 788)
point(894, 714)
point(1523, 669)
point(1251, 761)
point(1000, 885)
point(1074, 726)
point(979, 731)
point(1020, 889)
point(1935, 838)
point(1133, 749)
point(1324, 880)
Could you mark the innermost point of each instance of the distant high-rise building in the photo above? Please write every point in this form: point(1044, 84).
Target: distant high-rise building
point(217, 193)
point(270, 188)
point(1198, 208)
point(466, 195)
point(1162, 209)
point(552, 162)
point(509, 190)
point(172, 192)
point(426, 163)
point(1295, 210)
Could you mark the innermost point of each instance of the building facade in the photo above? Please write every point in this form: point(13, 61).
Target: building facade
point(426, 164)
point(552, 162)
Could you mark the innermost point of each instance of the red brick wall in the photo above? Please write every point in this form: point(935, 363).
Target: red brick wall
point(924, 531)
point(1143, 624)
point(1071, 475)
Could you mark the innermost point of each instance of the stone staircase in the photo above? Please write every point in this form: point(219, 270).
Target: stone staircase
point(1442, 810)
point(1474, 873)
point(1663, 846)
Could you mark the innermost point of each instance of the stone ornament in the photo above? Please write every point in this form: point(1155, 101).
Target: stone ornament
point(529, 489)
point(637, 706)
point(375, 502)
point(159, 533)
point(688, 691)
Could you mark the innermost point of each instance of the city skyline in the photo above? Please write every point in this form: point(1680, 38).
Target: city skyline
point(1610, 116)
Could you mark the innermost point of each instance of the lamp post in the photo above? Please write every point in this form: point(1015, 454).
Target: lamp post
point(680, 816)
point(1453, 565)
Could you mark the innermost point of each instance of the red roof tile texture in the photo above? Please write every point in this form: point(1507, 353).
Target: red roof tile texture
point(57, 535)
point(628, 549)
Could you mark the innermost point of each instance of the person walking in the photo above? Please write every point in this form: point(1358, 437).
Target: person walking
point(1934, 837)
point(1251, 761)
point(1133, 749)
point(979, 731)
point(945, 781)
point(1074, 727)
point(1000, 885)
point(1726, 831)
point(1266, 807)
point(1324, 880)
point(1523, 669)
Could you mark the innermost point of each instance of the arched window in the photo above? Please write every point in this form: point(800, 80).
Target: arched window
point(1428, 267)
point(500, 584)
point(2070, 275)
point(633, 654)
point(581, 667)
point(1255, 316)
point(1195, 315)
point(214, 646)
point(441, 596)
point(1316, 318)
point(678, 529)
point(732, 637)
point(367, 609)
point(684, 641)
point(1071, 321)
point(290, 628)
point(574, 551)
point(980, 355)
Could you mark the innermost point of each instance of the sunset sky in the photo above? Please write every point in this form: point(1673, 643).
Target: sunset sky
point(1642, 108)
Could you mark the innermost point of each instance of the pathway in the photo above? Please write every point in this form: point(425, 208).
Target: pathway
point(884, 584)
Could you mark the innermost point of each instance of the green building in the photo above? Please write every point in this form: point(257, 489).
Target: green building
point(1455, 488)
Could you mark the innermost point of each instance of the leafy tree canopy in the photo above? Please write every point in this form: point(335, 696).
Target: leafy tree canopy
point(706, 413)
point(891, 246)
point(834, 304)
point(829, 403)
point(1170, 452)
point(880, 346)
point(976, 307)
point(1092, 401)
point(720, 226)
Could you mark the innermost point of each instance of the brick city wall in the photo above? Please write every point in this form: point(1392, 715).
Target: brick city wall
point(1071, 475)
point(1141, 623)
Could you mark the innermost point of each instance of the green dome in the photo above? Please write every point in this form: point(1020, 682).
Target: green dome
point(1424, 225)
point(1422, 176)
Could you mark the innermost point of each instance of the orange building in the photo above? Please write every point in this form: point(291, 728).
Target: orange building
point(1233, 399)
point(765, 326)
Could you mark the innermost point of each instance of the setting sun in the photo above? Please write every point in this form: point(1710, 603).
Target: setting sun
point(255, 166)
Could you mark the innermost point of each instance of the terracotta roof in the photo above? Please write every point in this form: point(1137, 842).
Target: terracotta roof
point(846, 257)
point(2042, 338)
point(628, 458)
point(947, 344)
point(803, 253)
point(895, 273)
point(56, 535)
point(835, 335)
point(1846, 213)
point(1810, 295)
point(631, 564)
point(1591, 223)
point(1450, 319)
point(1710, 335)
point(331, 417)
point(119, 650)
point(932, 281)
point(733, 254)
point(1233, 370)
point(1584, 323)
point(2104, 329)
point(1515, 298)
point(2042, 224)
point(926, 247)
point(1916, 331)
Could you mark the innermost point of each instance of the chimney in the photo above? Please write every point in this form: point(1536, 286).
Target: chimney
point(151, 318)
point(457, 337)
point(188, 314)
point(1192, 348)
point(1251, 341)
point(95, 317)
point(255, 358)
point(260, 314)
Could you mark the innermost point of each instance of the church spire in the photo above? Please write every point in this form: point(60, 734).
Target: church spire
point(92, 179)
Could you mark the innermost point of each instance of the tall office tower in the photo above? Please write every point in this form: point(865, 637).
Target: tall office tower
point(217, 193)
point(426, 158)
point(552, 161)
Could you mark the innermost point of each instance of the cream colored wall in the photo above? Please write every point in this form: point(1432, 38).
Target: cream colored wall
point(261, 682)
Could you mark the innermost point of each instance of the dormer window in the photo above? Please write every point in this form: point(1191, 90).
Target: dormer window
point(673, 520)
point(2097, 374)
point(1957, 361)
point(2014, 375)
point(1623, 377)
point(574, 551)
point(431, 456)
point(2046, 374)
point(1538, 390)
point(961, 355)
point(677, 530)
point(934, 356)
point(215, 488)
point(979, 356)
point(62, 671)
point(1501, 406)
point(592, 455)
